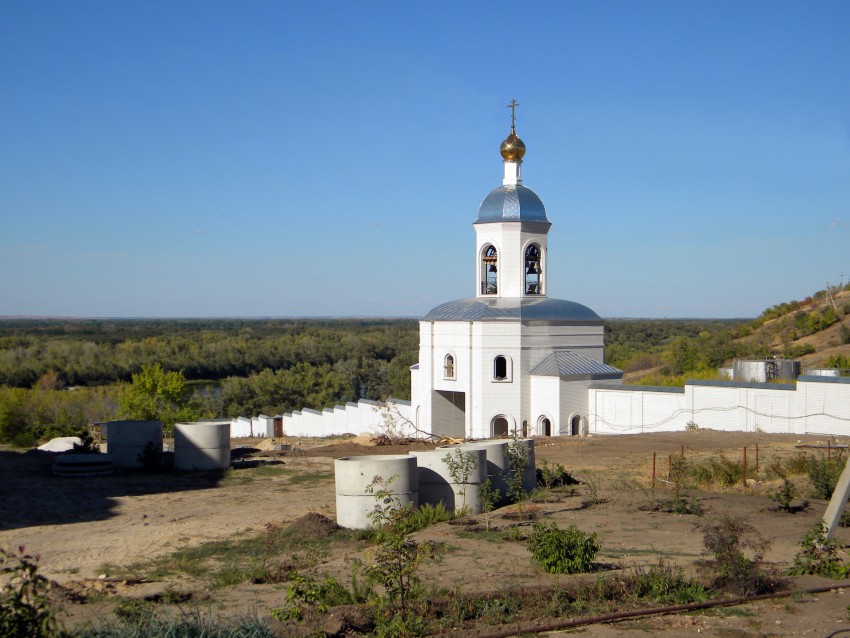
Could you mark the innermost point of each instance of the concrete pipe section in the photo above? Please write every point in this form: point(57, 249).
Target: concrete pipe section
point(498, 467)
point(437, 485)
point(82, 465)
point(355, 473)
point(126, 441)
point(202, 445)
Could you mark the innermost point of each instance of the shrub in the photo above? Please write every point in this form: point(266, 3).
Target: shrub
point(738, 551)
point(823, 474)
point(664, 583)
point(784, 494)
point(562, 551)
point(428, 515)
point(25, 608)
point(819, 556)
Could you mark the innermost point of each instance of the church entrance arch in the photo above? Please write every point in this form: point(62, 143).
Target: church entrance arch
point(575, 425)
point(499, 427)
point(544, 426)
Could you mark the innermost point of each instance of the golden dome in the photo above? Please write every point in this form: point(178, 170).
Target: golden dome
point(512, 148)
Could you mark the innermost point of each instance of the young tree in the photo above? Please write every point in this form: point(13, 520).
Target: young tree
point(158, 395)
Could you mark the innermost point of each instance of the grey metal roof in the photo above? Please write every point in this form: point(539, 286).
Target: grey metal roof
point(636, 388)
point(566, 363)
point(511, 203)
point(513, 308)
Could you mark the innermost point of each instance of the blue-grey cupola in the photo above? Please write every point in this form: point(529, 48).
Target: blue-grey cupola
point(512, 203)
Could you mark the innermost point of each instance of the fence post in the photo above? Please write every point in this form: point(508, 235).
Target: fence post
point(828, 450)
point(653, 470)
point(744, 477)
point(683, 450)
point(757, 457)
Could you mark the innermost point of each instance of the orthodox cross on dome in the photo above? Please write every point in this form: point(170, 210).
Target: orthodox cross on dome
point(512, 106)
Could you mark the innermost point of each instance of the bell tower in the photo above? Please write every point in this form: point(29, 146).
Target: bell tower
point(511, 231)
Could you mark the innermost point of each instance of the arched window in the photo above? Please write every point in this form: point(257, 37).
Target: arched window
point(489, 270)
point(449, 367)
point(500, 368)
point(544, 426)
point(533, 270)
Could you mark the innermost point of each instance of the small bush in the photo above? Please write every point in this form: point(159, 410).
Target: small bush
point(25, 608)
point(665, 584)
point(819, 556)
point(823, 474)
point(738, 551)
point(784, 494)
point(427, 515)
point(562, 551)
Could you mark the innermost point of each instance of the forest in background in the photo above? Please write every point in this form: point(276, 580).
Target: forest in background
point(58, 375)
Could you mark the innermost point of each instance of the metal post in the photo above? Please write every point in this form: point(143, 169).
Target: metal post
point(744, 477)
point(757, 457)
point(653, 470)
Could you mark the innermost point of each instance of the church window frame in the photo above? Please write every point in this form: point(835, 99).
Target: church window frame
point(533, 269)
point(545, 425)
point(450, 367)
point(489, 270)
point(502, 369)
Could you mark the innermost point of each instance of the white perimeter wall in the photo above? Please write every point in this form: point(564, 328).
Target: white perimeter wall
point(816, 405)
point(352, 418)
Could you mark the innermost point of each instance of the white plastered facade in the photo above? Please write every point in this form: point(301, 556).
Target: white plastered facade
point(496, 339)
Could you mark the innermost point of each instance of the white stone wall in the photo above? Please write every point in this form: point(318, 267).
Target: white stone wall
point(352, 418)
point(545, 403)
point(816, 405)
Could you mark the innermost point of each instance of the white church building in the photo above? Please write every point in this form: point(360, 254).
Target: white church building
point(513, 359)
point(510, 358)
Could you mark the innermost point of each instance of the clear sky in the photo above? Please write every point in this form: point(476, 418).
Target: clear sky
point(278, 158)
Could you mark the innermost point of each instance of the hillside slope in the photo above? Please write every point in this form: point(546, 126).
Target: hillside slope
point(812, 330)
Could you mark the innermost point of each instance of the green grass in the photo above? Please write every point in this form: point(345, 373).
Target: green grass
point(310, 477)
point(229, 562)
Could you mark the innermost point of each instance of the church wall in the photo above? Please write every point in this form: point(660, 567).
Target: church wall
point(539, 339)
point(573, 400)
point(490, 398)
point(544, 402)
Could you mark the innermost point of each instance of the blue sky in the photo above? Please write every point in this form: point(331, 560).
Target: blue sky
point(328, 158)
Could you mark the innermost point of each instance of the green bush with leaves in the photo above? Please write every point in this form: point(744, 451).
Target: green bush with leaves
point(824, 473)
point(562, 551)
point(25, 608)
point(784, 494)
point(819, 555)
point(394, 565)
point(737, 551)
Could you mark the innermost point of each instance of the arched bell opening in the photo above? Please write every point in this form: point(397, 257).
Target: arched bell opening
point(489, 270)
point(533, 270)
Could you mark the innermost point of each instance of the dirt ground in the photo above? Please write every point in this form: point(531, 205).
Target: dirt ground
point(83, 528)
